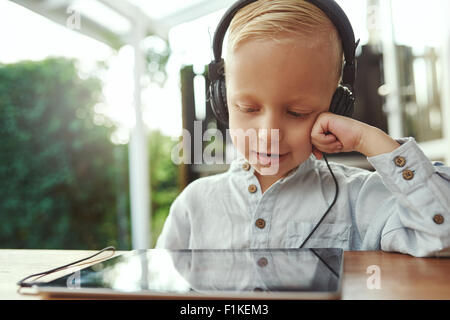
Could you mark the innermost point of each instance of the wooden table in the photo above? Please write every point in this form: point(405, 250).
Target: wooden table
point(400, 276)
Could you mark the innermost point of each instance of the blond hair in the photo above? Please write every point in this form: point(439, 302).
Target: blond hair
point(280, 20)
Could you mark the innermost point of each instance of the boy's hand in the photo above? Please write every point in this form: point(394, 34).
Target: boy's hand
point(333, 134)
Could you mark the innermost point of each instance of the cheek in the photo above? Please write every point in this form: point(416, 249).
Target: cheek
point(237, 123)
point(237, 128)
point(235, 120)
point(299, 139)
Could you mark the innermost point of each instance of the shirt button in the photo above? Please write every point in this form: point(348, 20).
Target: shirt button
point(408, 174)
point(399, 161)
point(263, 262)
point(252, 188)
point(246, 166)
point(260, 223)
point(438, 219)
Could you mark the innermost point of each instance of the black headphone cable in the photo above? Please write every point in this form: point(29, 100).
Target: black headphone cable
point(329, 208)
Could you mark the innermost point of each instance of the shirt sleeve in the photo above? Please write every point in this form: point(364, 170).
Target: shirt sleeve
point(416, 205)
point(176, 231)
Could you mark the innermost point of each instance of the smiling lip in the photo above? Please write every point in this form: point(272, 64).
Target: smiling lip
point(269, 159)
point(270, 154)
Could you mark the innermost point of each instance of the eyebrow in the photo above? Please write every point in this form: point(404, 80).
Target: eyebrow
point(300, 99)
point(242, 96)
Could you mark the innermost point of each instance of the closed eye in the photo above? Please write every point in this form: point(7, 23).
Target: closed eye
point(298, 115)
point(246, 109)
point(292, 113)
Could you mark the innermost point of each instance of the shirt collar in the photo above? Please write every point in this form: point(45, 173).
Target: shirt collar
point(239, 166)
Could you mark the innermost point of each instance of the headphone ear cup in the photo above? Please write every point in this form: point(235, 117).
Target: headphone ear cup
point(349, 104)
point(335, 101)
point(342, 102)
point(218, 99)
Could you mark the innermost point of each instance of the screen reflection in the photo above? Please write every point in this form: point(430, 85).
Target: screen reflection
point(206, 271)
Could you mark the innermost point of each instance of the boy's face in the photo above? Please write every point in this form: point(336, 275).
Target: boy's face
point(284, 86)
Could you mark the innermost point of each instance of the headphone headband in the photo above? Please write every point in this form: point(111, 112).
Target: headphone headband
point(333, 11)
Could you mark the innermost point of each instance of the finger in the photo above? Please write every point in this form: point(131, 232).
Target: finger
point(324, 138)
point(327, 147)
point(335, 147)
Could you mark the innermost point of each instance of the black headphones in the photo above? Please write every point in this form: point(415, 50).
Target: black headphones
point(343, 99)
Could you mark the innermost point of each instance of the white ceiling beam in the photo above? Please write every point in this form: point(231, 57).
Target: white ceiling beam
point(88, 27)
point(131, 12)
point(53, 4)
point(56, 10)
point(195, 11)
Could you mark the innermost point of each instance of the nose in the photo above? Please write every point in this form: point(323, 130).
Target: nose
point(270, 130)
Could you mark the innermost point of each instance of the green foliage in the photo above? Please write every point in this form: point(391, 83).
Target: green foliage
point(63, 184)
point(58, 172)
point(163, 179)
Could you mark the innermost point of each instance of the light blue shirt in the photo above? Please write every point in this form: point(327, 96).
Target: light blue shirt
point(401, 207)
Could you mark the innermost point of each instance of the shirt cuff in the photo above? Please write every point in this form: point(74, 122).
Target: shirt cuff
point(404, 169)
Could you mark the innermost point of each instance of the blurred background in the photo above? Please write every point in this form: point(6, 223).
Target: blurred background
point(95, 94)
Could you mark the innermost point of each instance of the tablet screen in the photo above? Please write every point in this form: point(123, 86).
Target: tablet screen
point(212, 272)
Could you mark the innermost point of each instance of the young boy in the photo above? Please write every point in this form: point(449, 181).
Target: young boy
point(283, 64)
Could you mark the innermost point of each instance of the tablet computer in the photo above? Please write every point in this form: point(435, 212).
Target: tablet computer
point(207, 274)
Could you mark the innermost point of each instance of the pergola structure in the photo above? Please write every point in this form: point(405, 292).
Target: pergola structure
point(136, 22)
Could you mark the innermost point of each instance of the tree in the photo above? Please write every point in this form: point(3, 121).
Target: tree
point(163, 179)
point(58, 172)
